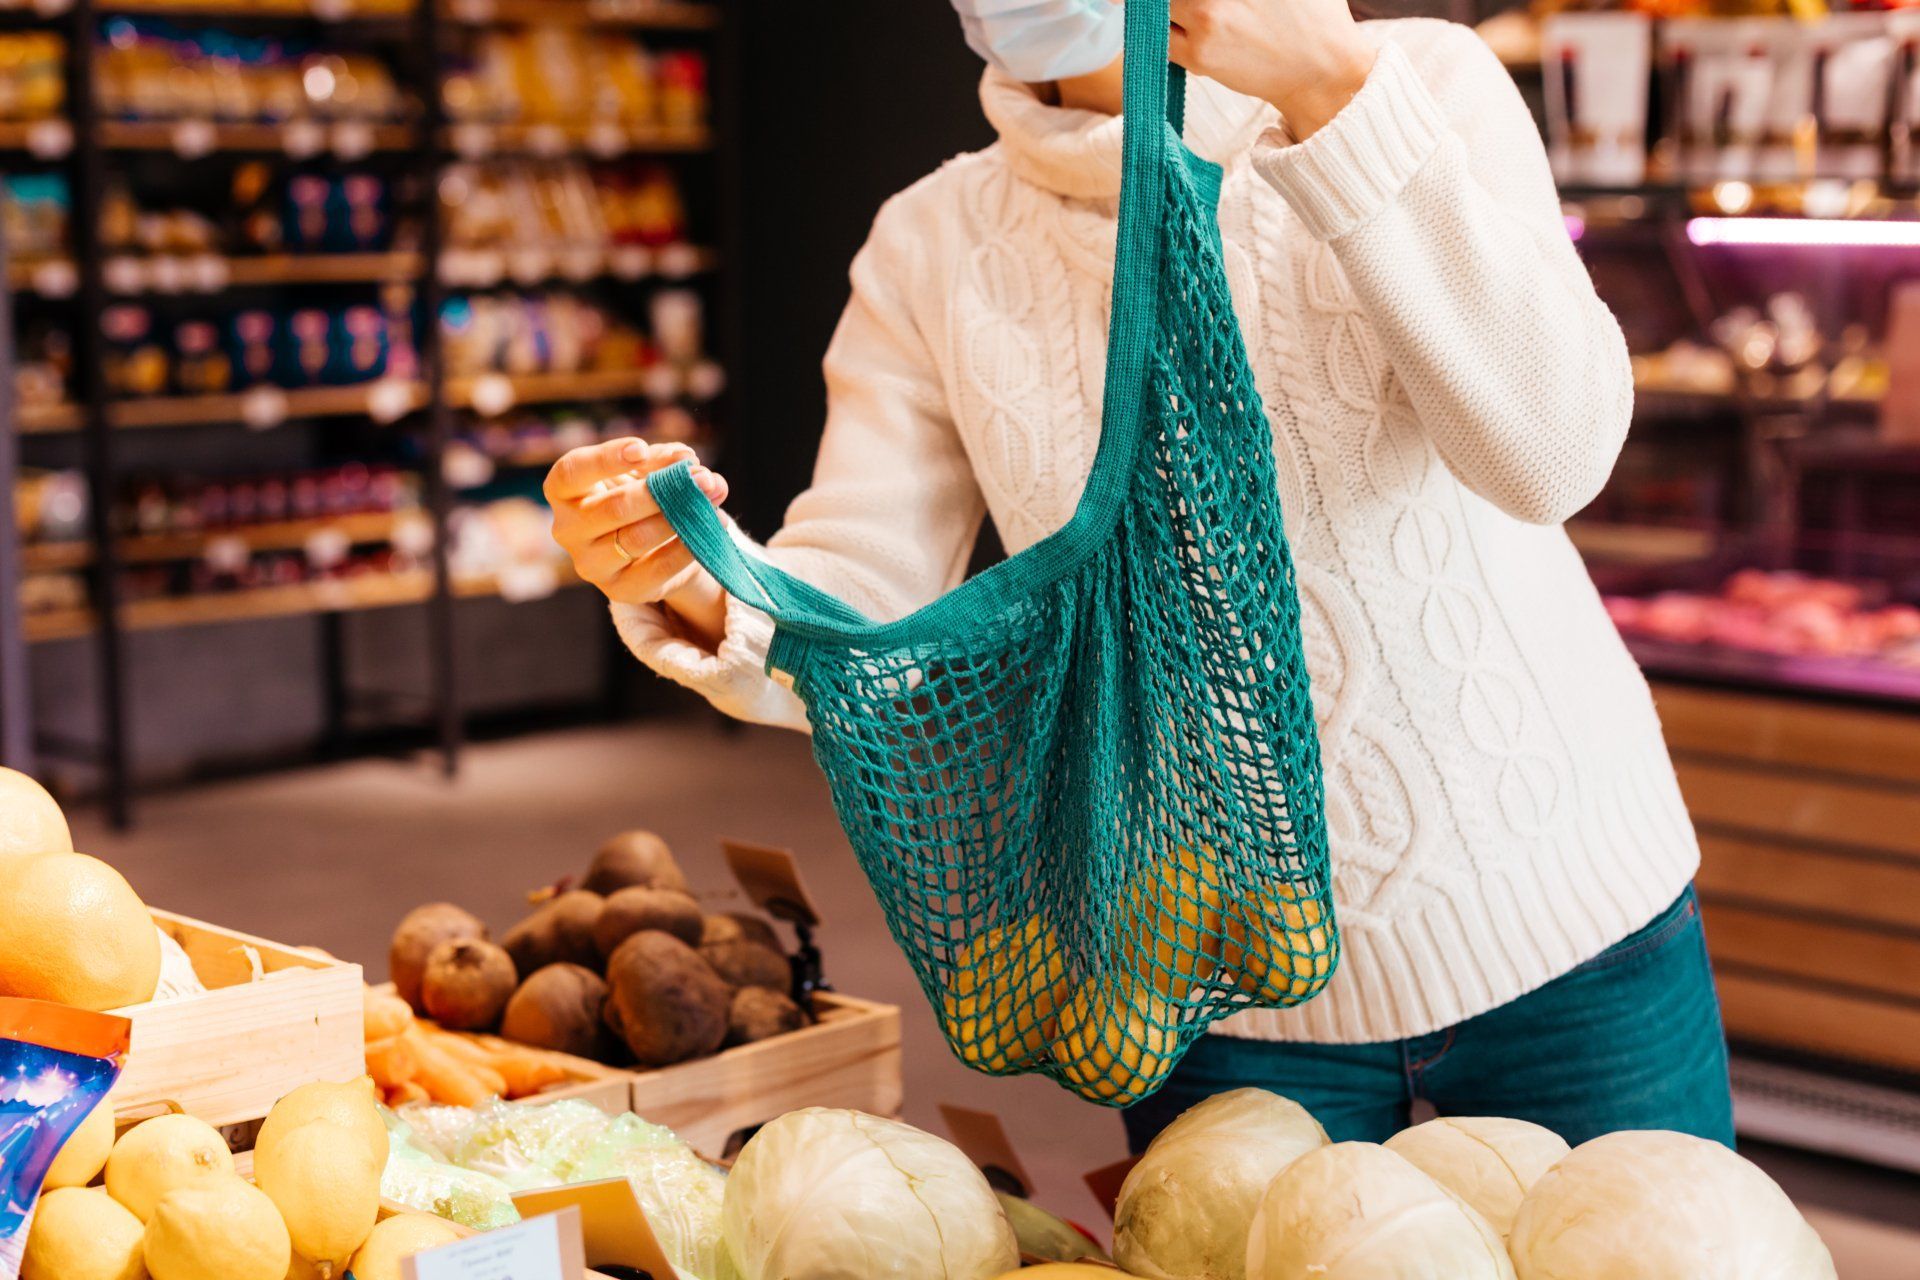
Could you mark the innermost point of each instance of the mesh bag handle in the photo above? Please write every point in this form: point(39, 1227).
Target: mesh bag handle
point(1154, 96)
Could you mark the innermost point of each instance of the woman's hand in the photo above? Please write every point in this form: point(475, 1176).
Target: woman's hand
point(607, 521)
point(1306, 57)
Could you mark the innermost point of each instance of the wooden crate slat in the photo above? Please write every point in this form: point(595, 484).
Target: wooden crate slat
point(228, 1054)
point(1869, 889)
point(1858, 957)
point(1770, 802)
point(1792, 732)
point(1769, 1010)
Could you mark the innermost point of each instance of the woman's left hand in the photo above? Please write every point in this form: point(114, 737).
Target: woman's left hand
point(1306, 57)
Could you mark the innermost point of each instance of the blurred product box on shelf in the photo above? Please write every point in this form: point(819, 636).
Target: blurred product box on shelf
point(149, 69)
point(1597, 122)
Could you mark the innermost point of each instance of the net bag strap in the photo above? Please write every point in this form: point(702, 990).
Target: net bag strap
point(1154, 94)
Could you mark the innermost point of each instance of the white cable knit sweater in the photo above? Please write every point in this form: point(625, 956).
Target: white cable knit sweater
point(1445, 388)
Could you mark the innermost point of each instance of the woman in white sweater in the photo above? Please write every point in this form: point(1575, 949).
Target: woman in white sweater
point(1512, 858)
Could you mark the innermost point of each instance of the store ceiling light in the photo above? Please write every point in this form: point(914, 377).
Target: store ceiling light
point(1802, 231)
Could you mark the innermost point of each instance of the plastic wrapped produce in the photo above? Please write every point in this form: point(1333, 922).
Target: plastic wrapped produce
point(524, 1145)
point(418, 1179)
point(680, 1192)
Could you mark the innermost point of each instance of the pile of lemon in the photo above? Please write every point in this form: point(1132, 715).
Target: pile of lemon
point(172, 1205)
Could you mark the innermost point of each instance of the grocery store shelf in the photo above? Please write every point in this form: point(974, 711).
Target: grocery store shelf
point(477, 139)
point(1640, 543)
point(484, 393)
point(199, 137)
point(1861, 679)
point(277, 535)
point(261, 407)
point(345, 595)
point(659, 15)
point(322, 10)
point(129, 274)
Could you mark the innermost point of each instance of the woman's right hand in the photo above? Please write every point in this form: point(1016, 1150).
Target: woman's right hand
point(608, 523)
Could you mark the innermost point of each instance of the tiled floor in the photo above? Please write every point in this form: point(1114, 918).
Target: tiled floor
point(334, 856)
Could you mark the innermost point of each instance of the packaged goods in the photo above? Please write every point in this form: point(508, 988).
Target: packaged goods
point(56, 1066)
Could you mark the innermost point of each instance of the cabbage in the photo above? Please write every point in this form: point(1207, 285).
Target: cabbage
point(1489, 1162)
point(1356, 1211)
point(841, 1195)
point(680, 1193)
point(1184, 1210)
point(1662, 1206)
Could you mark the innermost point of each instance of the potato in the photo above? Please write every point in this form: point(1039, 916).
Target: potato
point(759, 1014)
point(560, 932)
point(420, 931)
point(467, 984)
point(731, 926)
point(664, 1000)
point(631, 911)
point(744, 963)
point(559, 1007)
point(634, 858)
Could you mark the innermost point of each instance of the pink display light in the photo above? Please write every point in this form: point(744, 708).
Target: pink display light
point(1576, 225)
point(1803, 231)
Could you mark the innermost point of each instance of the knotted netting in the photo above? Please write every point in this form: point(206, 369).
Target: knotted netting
point(1086, 784)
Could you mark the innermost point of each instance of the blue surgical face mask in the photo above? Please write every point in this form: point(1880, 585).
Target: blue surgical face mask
point(1041, 40)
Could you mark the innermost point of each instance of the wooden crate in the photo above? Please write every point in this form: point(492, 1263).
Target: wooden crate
point(849, 1058)
point(1809, 821)
point(272, 1018)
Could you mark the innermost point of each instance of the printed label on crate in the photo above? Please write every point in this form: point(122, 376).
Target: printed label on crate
point(544, 1248)
point(612, 1224)
point(771, 878)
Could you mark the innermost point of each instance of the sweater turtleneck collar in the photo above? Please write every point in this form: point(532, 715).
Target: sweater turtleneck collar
point(1076, 154)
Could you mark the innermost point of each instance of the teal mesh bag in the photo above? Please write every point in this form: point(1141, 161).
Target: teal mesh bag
point(1085, 784)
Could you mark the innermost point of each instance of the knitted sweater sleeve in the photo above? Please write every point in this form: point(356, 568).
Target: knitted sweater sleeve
point(889, 521)
point(1432, 189)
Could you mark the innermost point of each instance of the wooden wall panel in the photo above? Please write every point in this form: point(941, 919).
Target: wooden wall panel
point(1792, 732)
point(1873, 959)
point(1874, 889)
point(1831, 1024)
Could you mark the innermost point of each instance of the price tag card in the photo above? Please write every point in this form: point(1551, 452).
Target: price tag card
point(613, 1227)
point(543, 1248)
point(981, 1136)
point(771, 878)
point(1105, 1182)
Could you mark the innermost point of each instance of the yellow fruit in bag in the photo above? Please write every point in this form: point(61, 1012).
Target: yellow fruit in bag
point(1116, 1040)
point(82, 1233)
point(73, 931)
point(161, 1155)
point(85, 1152)
point(1171, 928)
point(1008, 985)
point(399, 1237)
point(30, 821)
point(1279, 945)
point(224, 1227)
point(355, 1106)
point(326, 1185)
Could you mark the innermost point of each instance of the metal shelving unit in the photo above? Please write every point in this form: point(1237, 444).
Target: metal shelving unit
point(416, 36)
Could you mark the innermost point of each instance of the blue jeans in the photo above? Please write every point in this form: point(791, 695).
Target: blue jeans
point(1629, 1040)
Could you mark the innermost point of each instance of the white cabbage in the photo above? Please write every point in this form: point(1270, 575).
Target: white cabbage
point(1356, 1211)
point(840, 1195)
point(1662, 1206)
point(1184, 1210)
point(1488, 1161)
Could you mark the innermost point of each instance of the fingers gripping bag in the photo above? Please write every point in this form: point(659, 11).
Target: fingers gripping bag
point(1086, 784)
point(56, 1065)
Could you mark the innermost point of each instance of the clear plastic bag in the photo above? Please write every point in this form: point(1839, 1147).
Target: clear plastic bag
point(679, 1191)
point(418, 1179)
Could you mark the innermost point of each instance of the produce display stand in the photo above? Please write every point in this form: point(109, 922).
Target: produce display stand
point(273, 1018)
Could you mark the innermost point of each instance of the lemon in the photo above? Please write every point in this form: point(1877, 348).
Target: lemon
point(399, 1237)
point(326, 1185)
point(1280, 947)
point(162, 1154)
point(73, 931)
point(301, 1269)
point(30, 821)
point(81, 1233)
point(1007, 988)
point(1116, 1041)
point(1172, 925)
point(222, 1228)
point(85, 1152)
point(354, 1105)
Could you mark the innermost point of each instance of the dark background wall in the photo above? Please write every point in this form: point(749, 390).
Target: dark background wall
point(842, 105)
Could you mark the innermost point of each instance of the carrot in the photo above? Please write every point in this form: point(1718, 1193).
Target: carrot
point(527, 1073)
point(385, 1015)
point(443, 1076)
point(391, 1062)
point(408, 1091)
